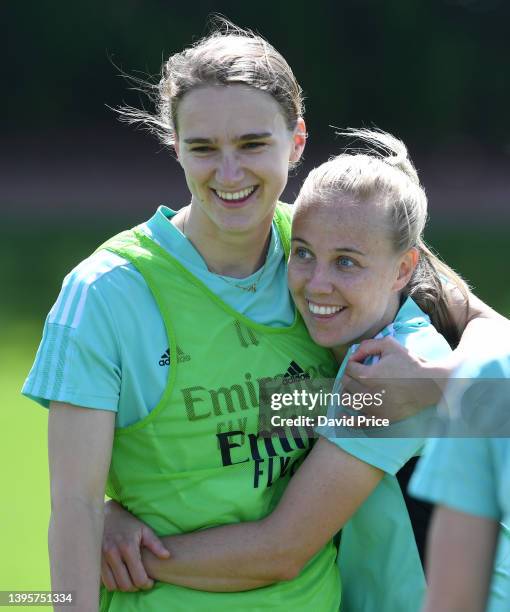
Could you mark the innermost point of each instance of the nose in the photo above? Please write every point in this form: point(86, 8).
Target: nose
point(229, 171)
point(319, 280)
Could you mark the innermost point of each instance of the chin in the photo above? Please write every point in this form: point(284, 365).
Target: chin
point(328, 341)
point(345, 341)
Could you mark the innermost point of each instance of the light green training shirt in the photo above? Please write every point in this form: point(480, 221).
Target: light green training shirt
point(379, 561)
point(472, 475)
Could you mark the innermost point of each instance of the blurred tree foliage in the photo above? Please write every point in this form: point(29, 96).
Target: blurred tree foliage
point(435, 69)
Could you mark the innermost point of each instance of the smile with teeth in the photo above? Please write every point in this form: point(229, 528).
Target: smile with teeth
point(319, 309)
point(235, 196)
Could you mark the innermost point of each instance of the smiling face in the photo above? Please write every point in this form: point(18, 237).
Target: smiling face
point(235, 149)
point(343, 272)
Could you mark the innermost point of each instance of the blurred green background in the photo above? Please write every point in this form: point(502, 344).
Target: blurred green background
point(434, 72)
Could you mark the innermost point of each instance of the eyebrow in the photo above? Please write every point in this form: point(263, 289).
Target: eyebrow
point(197, 140)
point(250, 136)
point(338, 250)
point(255, 136)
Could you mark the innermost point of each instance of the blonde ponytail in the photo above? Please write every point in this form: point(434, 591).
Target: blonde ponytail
point(431, 286)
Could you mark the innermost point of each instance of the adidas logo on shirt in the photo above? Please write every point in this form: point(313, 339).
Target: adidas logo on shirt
point(181, 357)
point(294, 373)
point(165, 358)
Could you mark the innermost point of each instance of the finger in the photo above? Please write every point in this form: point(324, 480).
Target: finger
point(119, 570)
point(133, 562)
point(107, 577)
point(351, 385)
point(357, 372)
point(151, 541)
point(371, 347)
point(366, 349)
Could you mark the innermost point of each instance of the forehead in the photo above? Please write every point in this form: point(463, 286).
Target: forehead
point(343, 222)
point(230, 110)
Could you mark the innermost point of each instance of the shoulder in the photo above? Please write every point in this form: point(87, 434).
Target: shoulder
point(95, 277)
point(413, 330)
point(286, 210)
point(427, 343)
point(282, 220)
point(493, 363)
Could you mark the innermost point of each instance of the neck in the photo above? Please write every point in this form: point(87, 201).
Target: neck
point(339, 352)
point(230, 253)
point(391, 312)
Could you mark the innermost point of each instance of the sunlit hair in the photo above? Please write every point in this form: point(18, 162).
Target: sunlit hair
point(229, 55)
point(382, 171)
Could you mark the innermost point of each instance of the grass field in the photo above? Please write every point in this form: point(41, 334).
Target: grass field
point(25, 507)
point(33, 283)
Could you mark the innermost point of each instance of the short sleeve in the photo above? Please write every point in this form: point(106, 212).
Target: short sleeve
point(458, 473)
point(78, 359)
point(387, 454)
point(464, 473)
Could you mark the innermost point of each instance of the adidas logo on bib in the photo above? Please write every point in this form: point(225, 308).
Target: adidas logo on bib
point(294, 373)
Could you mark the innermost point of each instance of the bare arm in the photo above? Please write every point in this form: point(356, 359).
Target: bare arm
point(460, 559)
point(413, 383)
point(480, 327)
point(324, 493)
point(477, 310)
point(79, 446)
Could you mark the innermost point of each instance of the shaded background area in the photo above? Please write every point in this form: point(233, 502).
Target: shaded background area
point(433, 72)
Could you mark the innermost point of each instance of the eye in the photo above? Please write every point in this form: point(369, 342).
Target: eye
point(252, 146)
point(302, 253)
point(202, 149)
point(345, 262)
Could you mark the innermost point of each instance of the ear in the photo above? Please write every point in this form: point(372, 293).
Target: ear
point(406, 267)
point(298, 140)
point(176, 145)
